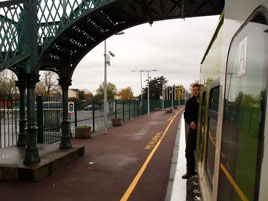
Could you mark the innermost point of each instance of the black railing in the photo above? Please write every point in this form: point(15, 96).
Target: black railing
point(86, 113)
point(90, 113)
point(49, 118)
point(9, 122)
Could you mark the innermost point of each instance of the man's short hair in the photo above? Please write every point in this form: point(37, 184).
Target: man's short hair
point(196, 85)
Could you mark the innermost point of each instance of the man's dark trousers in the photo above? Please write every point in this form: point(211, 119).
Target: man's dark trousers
point(190, 149)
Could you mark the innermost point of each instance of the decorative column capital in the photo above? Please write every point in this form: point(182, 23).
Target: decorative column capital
point(21, 84)
point(31, 79)
point(65, 83)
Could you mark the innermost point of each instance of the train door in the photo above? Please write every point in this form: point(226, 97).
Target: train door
point(201, 133)
point(244, 108)
point(212, 130)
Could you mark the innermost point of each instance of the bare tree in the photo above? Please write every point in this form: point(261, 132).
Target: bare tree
point(8, 89)
point(48, 82)
point(7, 85)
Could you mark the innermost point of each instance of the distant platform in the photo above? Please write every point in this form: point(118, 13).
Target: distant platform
point(52, 159)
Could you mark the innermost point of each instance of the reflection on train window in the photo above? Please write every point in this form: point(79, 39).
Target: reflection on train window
point(203, 119)
point(204, 98)
point(211, 135)
point(203, 115)
point(243, 106)
point(214, 99)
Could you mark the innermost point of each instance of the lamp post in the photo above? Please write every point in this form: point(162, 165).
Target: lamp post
point(148, 97)
point(107, 61)
point(105, 88)
point(163, 94)
point(141, 71)
point(169, 98)
point(172, 96)
point(179, 93)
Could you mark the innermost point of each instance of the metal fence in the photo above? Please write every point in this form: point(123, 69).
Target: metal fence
point(49, 118)
point(48, 115)
point(89, 113)
point(9, 122)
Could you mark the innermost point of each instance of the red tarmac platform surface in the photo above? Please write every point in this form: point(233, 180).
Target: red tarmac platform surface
point(132, 162)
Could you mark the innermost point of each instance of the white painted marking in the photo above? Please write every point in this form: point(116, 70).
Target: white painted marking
point(179, 185)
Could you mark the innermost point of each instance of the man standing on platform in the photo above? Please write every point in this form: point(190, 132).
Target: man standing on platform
point(191, 117)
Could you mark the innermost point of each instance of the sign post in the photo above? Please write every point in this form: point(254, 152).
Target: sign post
point(71, 107)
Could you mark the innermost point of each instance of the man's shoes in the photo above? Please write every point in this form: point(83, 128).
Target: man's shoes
point(188, 174)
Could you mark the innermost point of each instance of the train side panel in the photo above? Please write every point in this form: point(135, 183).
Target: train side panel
point(233, 118)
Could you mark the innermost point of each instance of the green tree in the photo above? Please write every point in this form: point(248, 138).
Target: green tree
point(155, 88)
point(82, 95)
point(85, 94)
point(111, 91)
point(126, 94)
point(180, 92)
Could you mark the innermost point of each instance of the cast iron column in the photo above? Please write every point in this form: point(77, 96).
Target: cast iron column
point(66, 137)
point(31, 151)
point(22, 122)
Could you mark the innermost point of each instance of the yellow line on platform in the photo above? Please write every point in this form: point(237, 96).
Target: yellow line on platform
point(145, 164)
point(170, 118)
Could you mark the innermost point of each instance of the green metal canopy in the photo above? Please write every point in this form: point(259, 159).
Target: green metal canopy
point(68, 29)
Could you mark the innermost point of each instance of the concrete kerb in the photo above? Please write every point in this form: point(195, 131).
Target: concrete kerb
point(177, 188)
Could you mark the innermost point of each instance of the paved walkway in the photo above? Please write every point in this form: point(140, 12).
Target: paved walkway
point(131, 162)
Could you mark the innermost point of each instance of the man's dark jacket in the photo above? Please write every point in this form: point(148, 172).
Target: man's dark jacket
point(191, 111)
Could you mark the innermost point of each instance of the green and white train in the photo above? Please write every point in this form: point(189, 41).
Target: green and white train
point(232, 142)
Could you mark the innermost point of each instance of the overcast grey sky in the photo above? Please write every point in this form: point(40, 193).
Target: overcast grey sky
point(173, 47)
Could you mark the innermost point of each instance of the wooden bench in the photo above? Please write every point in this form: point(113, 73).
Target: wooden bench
point(169, 110)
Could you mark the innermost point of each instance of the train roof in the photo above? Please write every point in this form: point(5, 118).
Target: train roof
point(214, 36)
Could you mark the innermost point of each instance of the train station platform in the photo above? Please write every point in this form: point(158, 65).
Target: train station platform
point(143, 160)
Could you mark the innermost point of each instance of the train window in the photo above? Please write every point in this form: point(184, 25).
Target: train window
point(203, 109)
point(244, 100)
point(204, 98)
point(214, 99)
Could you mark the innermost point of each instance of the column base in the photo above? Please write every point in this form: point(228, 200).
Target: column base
point(66, 137)
point(31, 151)
point(31, 155)
point(65, 142)
point(22, 140)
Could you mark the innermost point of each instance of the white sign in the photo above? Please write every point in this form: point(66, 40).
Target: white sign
point(70, 107)
point(242, 59)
